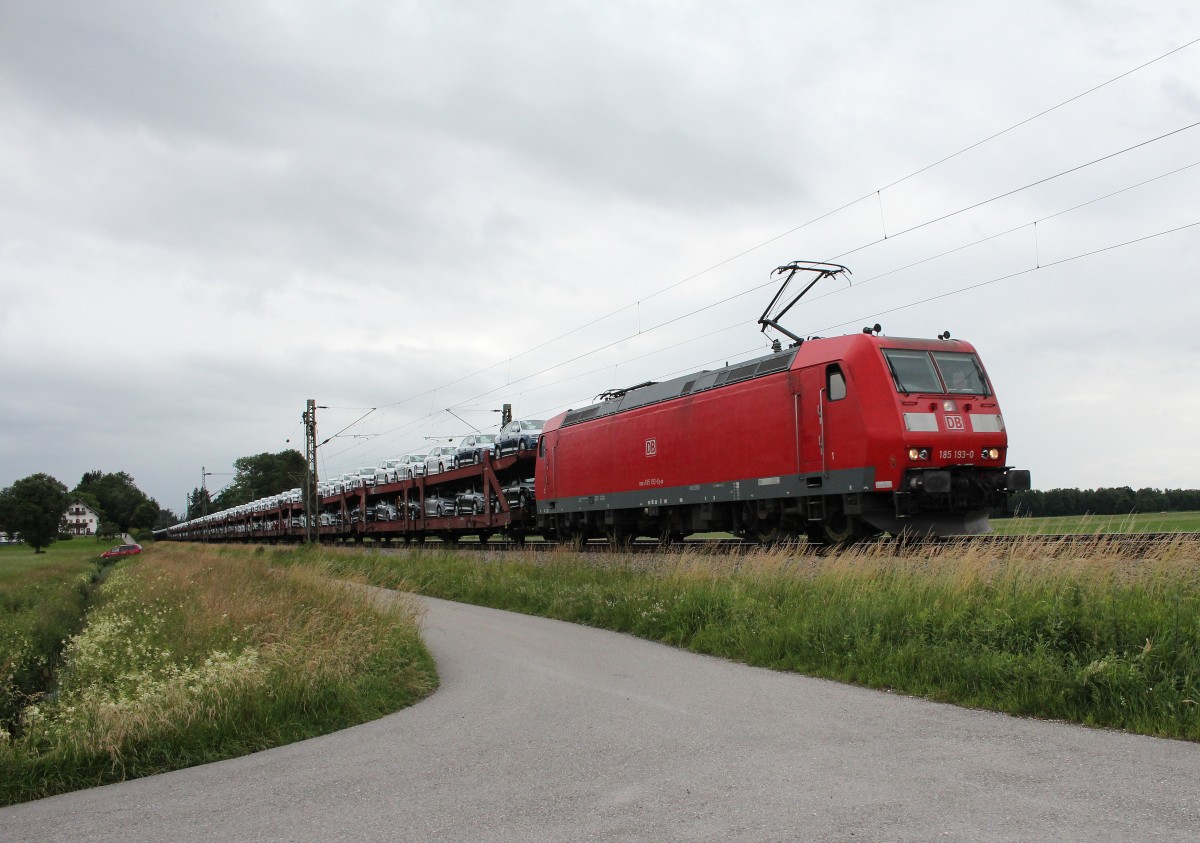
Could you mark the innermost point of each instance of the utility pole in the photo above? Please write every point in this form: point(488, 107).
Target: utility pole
point(312, 533)
point(204, 474)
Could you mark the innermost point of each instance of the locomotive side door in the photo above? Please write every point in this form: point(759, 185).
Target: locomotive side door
point(820, 388)
point(544, 477)
point(807, 402)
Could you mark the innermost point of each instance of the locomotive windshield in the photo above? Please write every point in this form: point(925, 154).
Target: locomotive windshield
point(951, 372)
point(961, 373)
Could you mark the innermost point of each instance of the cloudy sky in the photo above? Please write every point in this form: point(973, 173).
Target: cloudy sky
point(211, 212)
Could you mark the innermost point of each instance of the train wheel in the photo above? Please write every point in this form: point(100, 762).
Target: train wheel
point(838, 528)
point(773, 535)
point(767, 536)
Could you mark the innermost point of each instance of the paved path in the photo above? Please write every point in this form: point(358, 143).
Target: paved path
point(544, 731)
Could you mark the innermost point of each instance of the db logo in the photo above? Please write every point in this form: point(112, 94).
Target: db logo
point(954, 423)
point(651, 447)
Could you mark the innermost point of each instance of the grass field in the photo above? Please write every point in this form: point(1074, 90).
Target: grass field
point(1080, 634)
point(42, 599)
point(192, 654)
point(1141, 522)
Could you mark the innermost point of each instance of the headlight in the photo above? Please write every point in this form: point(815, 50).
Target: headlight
point(918, 453)
point(991, 453)
point(949, 406)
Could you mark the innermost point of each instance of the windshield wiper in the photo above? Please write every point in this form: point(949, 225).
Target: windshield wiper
point(896, 377)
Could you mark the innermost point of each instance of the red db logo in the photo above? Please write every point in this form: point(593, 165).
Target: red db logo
point(651, 447)
point(954, 423)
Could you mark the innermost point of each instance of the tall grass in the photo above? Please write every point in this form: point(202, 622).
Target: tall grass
point(192, 654)
point(1085, 634)
point(42, 599)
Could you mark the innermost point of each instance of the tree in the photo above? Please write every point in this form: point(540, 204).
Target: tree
point(260, 476)
point(1027, 503)
point(107, 529)
point(34, 508)
point(199, 502)
point(121, 501)
point(145, 514)
point(1150, 500)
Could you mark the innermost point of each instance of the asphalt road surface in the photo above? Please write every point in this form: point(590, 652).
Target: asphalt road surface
point(545, 731)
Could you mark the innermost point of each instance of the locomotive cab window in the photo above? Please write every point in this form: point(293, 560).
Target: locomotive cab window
point(835, 383)
point(951, 372)
point(912, 370)
point(961, 373)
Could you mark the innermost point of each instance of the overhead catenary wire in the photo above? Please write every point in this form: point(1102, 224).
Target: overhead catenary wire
point(646, 329)
point(1017, 190)
point(1038, 268)
point(755, 288)
point(432, 414)
point(347, 427)
point(810, 222)
point(1030, 119)
point(642, 331)
point(1007, 231)
point(928, 299)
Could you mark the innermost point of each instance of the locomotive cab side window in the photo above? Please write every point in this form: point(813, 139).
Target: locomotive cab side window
point(835, 383)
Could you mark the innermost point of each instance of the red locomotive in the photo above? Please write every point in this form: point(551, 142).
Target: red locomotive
point(837, 439)
point(834, 439)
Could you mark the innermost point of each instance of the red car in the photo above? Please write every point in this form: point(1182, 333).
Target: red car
point(122, 550)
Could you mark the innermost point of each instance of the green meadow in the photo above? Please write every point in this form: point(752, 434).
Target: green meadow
point(192, 654)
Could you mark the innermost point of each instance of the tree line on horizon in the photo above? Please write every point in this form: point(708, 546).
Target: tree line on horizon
point(258, 476)
point(1108, 500)
point(34, 506)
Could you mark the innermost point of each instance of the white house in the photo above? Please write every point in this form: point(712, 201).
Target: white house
point(80, 520)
